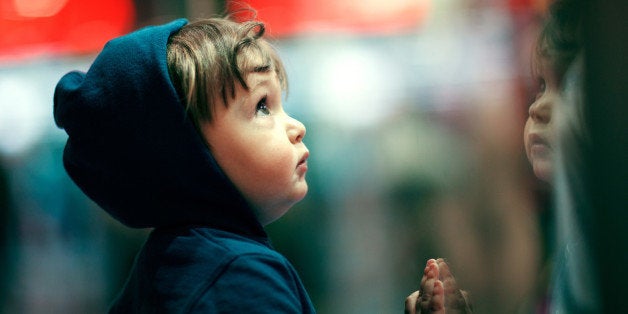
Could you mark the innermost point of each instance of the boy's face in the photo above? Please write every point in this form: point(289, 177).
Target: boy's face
point(538, 134)
point(260, 147)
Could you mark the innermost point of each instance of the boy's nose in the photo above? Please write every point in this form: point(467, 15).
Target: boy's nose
point(296, 130)
point(541, 110)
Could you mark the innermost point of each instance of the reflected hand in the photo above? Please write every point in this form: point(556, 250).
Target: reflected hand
point(439, 292)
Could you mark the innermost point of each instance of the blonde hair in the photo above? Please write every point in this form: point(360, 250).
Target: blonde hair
point(208, 57)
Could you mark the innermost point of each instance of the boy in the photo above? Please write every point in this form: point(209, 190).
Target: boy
point(180, 128)
point(557, 47)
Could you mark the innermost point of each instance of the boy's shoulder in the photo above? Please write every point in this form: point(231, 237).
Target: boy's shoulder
point(232, 243)
point(204, 268)
point(206, 246)
point(178, 261)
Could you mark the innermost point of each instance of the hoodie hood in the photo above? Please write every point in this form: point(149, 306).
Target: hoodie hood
point(132, 147)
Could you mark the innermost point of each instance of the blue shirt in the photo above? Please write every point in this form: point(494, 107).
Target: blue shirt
point(203, 270)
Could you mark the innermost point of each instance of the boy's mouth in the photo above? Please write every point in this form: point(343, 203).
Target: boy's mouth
point(303, 160)
point(539, 146)
point(536, 139)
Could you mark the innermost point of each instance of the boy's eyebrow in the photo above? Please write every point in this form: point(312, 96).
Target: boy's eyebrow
point(258, 69)
point(256, 81)
point(261, 68)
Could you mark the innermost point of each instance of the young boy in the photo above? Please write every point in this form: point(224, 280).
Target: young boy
point(556, 49)
point(180, 128)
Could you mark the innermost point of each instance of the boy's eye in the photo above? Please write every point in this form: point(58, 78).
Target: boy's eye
point(541, 89)
point(261, 108)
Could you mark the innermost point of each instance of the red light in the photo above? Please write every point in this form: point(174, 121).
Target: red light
point(36, 27)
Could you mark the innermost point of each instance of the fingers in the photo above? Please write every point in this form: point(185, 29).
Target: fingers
point(468, 307)
point(443, 268)
point(455, 299)
point(430, 275)
point(411, 302)
point(428, 283)
point(437, 304)
point(451, 287)
point(428, 266)
point(452, 293)
point(434, 304)
point(438, 292)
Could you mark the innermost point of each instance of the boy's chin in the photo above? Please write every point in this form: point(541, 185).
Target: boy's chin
point(272, 218)
point(543, 171)
point(299, 193)
point(275, 214)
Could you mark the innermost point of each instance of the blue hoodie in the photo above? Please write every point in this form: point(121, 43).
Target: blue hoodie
point(133, 150)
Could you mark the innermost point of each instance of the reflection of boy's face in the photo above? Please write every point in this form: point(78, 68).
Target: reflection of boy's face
point(538, 134)
point(260, 147)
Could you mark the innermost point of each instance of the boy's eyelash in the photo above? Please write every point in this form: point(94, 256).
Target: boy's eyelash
point(542, 84)
point(261, 102)
point(540, 88)
point(261, 107)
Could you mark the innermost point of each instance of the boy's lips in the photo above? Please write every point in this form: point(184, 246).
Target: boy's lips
point(303, 161)
point(536, 139)
point(539, 146)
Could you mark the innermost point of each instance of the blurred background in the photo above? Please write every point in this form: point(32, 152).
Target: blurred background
point(414, 112)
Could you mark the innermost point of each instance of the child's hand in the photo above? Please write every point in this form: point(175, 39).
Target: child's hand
point(439, 292)
point(431, 296)
point(456, 300)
